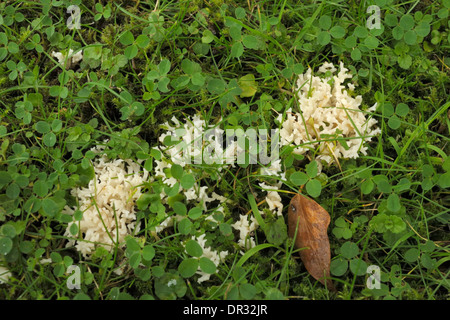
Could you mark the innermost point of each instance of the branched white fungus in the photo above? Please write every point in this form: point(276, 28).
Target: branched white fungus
point(245, 228)
point(196, 128)
point(108, 205)
point(191, 130)
point(330, 120)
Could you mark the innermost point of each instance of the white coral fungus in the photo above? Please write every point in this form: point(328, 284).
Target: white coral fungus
point(192, 129)
point(108, 205)
point(330, 119)
point(245, 228)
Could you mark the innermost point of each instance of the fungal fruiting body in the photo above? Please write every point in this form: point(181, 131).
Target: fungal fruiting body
point(330, 122)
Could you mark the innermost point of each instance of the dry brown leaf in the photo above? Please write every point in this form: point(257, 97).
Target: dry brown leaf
point(312, 222)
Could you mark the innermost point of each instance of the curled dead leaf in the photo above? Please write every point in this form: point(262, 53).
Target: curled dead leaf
point(310, 221)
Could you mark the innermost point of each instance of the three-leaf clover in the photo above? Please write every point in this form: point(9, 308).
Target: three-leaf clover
point(401, 110)
point(127, 39)
point(159, 76)
point(366, 38)
point(324, 36)
point(34, 43)
point(139, 254)
point(48, 131)
point(404, 60)
point(23, 111)
point(313, 185)
point(103, 11)
point(15, 69)
point(193, 75)
point(132, 107)
point(342, 229)
point(348, 258)
point(189, 266)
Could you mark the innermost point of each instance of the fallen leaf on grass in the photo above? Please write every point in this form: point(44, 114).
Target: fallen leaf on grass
point(310, 221)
